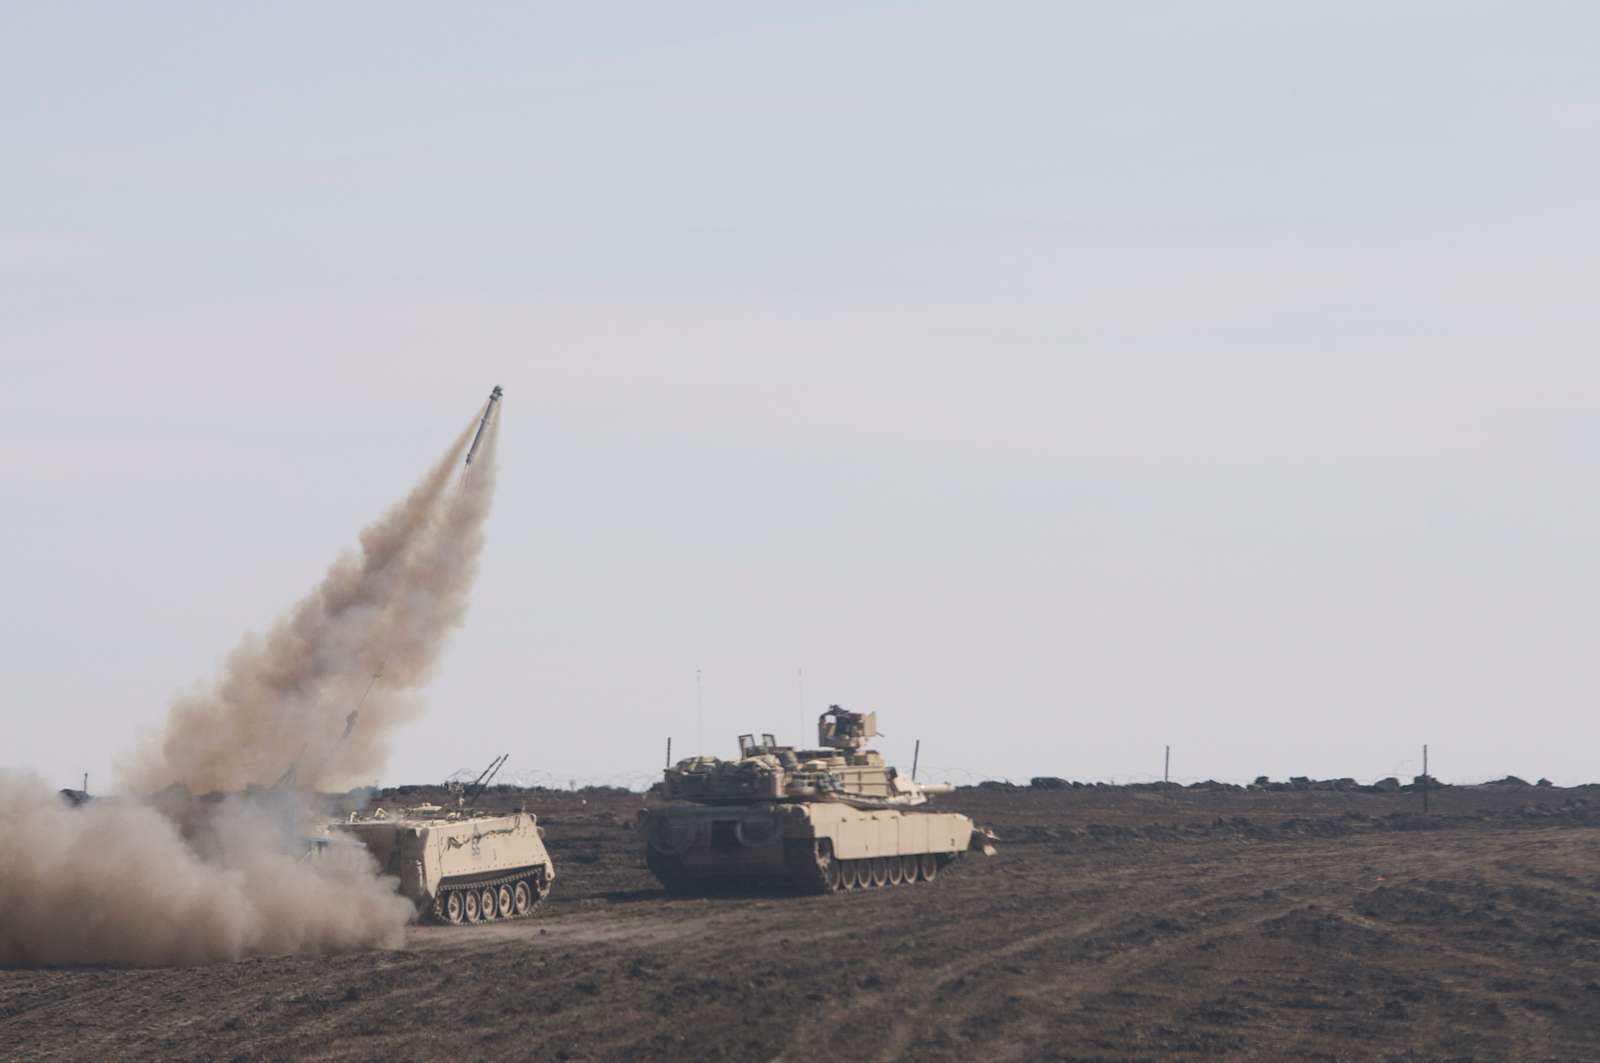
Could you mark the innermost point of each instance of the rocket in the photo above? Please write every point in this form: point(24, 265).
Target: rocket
point(488, 412)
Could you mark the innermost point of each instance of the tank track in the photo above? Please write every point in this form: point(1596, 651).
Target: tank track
point(668, 870)
point(437, 913)
point(814, 870)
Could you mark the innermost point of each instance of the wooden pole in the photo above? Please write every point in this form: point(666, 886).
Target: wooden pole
point(1424, 780)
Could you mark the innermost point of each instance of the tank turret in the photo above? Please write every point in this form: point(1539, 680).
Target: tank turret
point(841, 769)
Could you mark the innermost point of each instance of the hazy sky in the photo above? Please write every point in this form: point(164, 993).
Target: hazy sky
point(1060, 381)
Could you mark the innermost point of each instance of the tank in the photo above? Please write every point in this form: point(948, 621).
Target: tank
point(833, 818)
point(458, 866)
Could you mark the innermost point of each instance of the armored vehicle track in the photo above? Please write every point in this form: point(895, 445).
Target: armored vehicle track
point(514, 896)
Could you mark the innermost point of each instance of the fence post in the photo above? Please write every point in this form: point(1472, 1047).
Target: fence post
point(1424, 780)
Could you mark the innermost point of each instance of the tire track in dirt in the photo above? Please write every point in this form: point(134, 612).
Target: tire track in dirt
point(1531, 1035)
point(904, 1024)
point(1090, 975)
point(1528, 1046)
point(574, 929)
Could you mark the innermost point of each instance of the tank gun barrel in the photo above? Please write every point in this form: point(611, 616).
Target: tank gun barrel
point(934, 788)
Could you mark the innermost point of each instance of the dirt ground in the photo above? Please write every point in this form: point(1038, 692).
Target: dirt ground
point(1115, 924)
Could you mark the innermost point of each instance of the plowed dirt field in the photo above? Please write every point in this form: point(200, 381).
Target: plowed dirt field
point(1116, 924)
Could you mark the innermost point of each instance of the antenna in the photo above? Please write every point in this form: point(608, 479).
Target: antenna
point(699, 715)
point(482, 781)
point(800, 681)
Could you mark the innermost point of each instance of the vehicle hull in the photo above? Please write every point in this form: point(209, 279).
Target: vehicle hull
point(434, 858)
point(805, 844)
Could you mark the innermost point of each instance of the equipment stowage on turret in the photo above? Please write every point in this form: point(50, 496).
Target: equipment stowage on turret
point(823, 819)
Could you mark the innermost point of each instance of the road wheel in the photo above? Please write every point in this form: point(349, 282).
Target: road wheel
point(880, 871)
point(908, 868)
point(930, 866)
point(849, 874)
point(503, 902)
point(834, 877)
point(521, 897)
point(486, 904)
point(455, 911)
point(469, 898)
point(896, 871)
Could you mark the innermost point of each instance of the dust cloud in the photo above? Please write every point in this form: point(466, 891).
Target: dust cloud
point(166, 875)
point(116, 882)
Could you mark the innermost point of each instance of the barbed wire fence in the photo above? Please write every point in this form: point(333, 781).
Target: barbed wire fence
point(532, 778)
point(1403, 769)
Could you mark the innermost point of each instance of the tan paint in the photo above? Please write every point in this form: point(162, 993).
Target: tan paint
point(425, 851)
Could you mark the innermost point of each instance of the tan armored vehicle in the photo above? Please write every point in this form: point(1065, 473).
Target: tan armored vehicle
point(822, 819)
point(459, 866)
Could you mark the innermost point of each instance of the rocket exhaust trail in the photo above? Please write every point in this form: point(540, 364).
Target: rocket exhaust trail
point(284, 698)
point(189, 880)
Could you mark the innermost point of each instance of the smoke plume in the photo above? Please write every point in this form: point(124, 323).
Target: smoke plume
point(161, 876)
point(312, 703)
point(115, 882)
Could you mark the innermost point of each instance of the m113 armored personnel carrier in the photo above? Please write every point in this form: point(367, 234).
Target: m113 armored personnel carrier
point(834, 818)
point(459, 866)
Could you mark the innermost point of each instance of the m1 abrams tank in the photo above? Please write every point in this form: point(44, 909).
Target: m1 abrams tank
point(459, 866)
point(820, 819)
